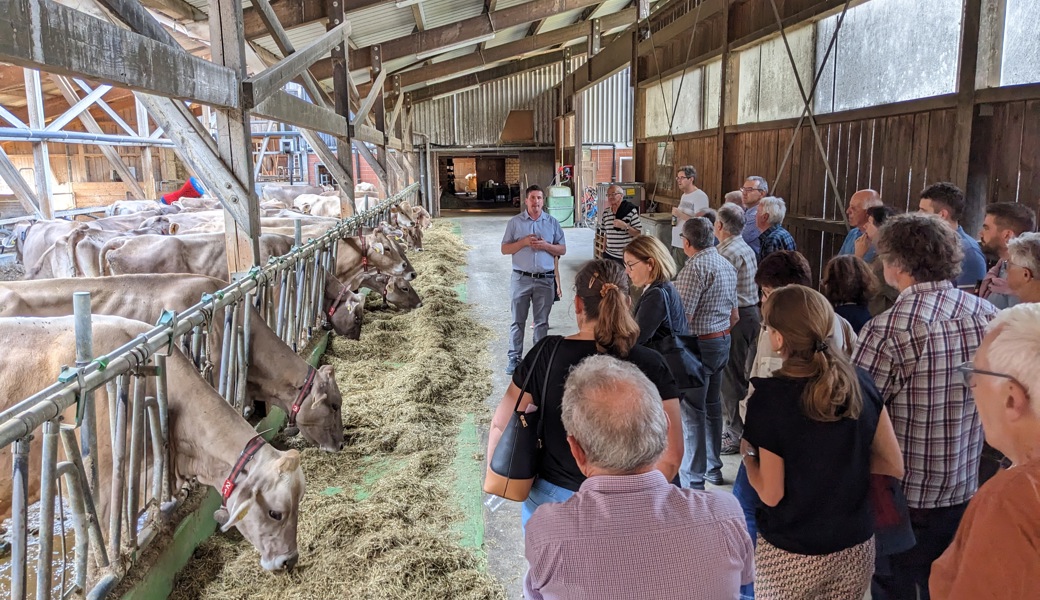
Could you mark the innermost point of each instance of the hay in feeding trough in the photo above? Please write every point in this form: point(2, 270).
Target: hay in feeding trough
point(377, 519)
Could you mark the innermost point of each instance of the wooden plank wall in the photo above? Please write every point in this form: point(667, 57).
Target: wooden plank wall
point(701, 152)
point(1014, 172)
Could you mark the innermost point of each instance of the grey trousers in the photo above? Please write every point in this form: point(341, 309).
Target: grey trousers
point(743, 346)
point(525, 293)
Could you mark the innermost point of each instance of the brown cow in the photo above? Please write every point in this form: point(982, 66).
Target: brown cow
point(206, 435)
point(275, 376)
point(288, 193)
point(395, 289)
point(77, 253)
point(198, 253)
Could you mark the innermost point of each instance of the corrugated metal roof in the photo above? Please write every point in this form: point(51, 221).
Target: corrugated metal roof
point(560, 21)
point(299, 36)
point(443, 12)
point(380, 23)
point(610, 7)
point(456, 53)
point(509, 34)
point(509, 3)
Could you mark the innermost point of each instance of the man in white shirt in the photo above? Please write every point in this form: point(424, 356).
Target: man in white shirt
point(692, 201)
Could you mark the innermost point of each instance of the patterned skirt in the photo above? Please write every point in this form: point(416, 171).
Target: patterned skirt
point(783, 575)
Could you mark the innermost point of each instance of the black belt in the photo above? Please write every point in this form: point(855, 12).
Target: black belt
point(545, 275)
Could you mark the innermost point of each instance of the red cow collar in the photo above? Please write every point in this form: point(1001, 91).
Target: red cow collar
point(248, 452)
point(307, 385)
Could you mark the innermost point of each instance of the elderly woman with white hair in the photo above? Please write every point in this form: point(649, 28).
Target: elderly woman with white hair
point(769, 219)
point(1023, 275)
point(994, 553)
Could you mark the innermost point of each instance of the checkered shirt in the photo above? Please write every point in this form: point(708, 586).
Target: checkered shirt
point(636, 536)
point(743, 259)
point(912, 352)
point(773, 239)
point(708, 288)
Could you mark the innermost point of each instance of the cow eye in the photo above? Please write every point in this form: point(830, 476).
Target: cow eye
point(274, 514)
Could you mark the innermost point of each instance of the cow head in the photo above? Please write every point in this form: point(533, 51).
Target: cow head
point(344, 309)
point(387, 256)
point(320, 418)
point(401, 294)
point(265, 506)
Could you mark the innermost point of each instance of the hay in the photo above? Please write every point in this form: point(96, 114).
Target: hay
point(10, 270)
point(377, 518)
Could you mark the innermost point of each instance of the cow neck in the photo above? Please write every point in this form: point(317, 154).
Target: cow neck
point(205, 433)
point(275, 371)
point(230, 483)
point(307, 385)
point(339, 298)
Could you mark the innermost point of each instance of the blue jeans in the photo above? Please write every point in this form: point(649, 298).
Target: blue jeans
point(701, 411)
point(542, 492)
point(748, 499)
point(528, 293)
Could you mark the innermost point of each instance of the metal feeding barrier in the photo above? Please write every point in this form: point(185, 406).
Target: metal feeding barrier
point(287, 293)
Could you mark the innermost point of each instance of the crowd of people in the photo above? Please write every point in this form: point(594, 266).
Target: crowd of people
point(861, 409)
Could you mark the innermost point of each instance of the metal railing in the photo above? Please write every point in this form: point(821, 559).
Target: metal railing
point(288, 294)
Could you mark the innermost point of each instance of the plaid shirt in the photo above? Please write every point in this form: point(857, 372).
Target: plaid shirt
point(912, 351)
point(773, 239)
point(635, 536)
point(708, 288)
point(743, 259)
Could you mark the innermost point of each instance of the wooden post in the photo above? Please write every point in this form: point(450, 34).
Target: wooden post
point(147, 165)
point(341, 96)
point(379, 113)
point(233, 135)
point(41, 154)
point(966, 70)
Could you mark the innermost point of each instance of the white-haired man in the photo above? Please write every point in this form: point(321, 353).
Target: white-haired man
point(1023, 273)
point(769, 219)
point(619, 224)
point(995, 551)
point(628, 533)
point(755, 188)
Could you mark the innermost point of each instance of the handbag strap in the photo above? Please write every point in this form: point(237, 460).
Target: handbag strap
point(530, 372)
point(545, 389)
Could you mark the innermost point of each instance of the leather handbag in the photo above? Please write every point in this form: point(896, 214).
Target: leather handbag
point(682, 355)
point(512, 468)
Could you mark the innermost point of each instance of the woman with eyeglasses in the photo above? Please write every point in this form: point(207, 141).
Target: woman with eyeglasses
point(815, 432)
point(659, 310)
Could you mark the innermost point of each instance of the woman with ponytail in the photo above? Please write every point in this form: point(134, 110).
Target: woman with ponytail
point(605, 325)
point(814, 433)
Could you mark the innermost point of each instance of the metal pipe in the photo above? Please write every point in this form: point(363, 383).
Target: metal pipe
point(44, 562)
point(84, 354)
point(19, 517)
point(97, 542)
point(14, 134)
point(74, 481)
point(163, 403)
point(103, 587)
point(225, 353)
point(115, 505)
point(136, 449)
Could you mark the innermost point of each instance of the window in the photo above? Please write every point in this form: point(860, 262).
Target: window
point(889, 51)
point(767, 86)
point(1021, 56)
point(674, 105)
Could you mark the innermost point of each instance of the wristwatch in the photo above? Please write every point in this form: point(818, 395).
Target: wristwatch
point(749, 452)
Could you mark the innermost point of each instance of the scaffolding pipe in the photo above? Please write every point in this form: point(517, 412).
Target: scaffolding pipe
point(15, 134)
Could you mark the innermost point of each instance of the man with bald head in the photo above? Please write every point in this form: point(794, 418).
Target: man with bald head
point(619, 224)
point(857, 214)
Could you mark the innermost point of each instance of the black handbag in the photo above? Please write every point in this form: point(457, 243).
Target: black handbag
point(512, 469)
point(682, 355)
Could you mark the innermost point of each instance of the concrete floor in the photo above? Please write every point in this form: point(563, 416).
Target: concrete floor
point(488, 290)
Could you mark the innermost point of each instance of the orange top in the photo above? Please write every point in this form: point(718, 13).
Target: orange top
point(996, 552)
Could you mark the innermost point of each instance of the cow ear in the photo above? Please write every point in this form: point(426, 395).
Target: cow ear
point(327, 370)
point(174, 228)
point(289, 462)
point(378, 247)
point(237, 512)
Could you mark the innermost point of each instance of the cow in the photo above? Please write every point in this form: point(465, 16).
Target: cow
point(332, 206)
point(276, 375)
point(126, 207)
point(33, 238)
point(422, 217)
point(127, 222)
point(287, 193)
point(198, 253)
point(196, 204)
point(206, 435)
point(77, 253)
point(395, 289)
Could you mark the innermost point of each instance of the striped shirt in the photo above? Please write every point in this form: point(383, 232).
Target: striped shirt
point(912, 352)
point(617, 239)
point(708, 288)
point(636, 536)
point(743, 259)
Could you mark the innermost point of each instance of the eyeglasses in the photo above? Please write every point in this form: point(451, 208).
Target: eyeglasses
point(681, 177)
point(749, 190)
point(615, 194)
point(632, 265)
point(968, 372)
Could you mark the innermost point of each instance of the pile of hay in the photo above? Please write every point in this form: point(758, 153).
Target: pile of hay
point(377, 519)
